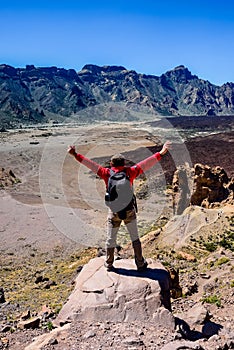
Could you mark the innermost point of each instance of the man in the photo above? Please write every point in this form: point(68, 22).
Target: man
point(115, 217)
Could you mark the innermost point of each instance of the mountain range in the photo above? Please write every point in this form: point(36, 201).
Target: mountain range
point(41, 94)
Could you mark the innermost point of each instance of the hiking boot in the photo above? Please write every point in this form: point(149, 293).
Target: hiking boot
point(109, 267)
point(142, 267)
point(141, 263)
point(109, 259)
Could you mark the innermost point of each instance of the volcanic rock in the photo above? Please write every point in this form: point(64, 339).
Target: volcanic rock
point(202, 185)
point(121, 295)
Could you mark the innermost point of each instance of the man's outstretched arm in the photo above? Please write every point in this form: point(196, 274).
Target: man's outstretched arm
point(165, 148)
point(95, 167)
point(149, 162)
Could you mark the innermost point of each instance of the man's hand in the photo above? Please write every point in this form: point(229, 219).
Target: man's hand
point(72, 150)
point(165, 148)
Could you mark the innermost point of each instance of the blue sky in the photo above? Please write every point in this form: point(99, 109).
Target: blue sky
point(148, 36)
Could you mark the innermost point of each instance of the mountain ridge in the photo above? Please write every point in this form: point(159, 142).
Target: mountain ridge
point(41, 94)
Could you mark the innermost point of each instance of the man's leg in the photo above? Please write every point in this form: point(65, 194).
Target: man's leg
point(141, 263)
point(113, 224)
point(131, 224)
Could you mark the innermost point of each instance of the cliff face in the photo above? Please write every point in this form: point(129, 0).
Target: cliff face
point(34, 94)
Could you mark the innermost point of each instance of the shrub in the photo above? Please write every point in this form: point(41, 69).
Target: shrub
point(222, 261)
point(49, 326)
point(210, 246)
point(212, 299)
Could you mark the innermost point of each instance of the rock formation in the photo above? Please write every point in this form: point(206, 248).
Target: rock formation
point(7, 178)
point(203, 186)
point(211, 185)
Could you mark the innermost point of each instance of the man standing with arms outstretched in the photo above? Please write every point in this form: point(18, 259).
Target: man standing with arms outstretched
point(127, 214)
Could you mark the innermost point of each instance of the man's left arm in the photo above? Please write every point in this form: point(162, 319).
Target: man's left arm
point(149, 162)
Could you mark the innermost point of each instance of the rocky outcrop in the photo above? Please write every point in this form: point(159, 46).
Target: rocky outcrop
point(202, 185)
point(177, 233)
point(2, 296)
point(153, 328)
point(182, 183)
point(34, 94)
point(119, 296)
point(7, 178)
point(211, 186)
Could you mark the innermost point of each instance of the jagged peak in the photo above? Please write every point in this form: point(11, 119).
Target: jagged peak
point(7, 69)
point(180, 73)
point(180, 67)
point(98, 69)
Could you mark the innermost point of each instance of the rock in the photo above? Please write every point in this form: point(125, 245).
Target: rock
point(176, 290)
point(45, 339)
point(210, 185)
point(122, 295)
point(177, 233)
point(31, 323)
point(49, 284)
point(191, 289)
point(5, 328)
point(132, 341)
point(204, 275)
point(181, 188)
point(209, 287)
point(164, 318)
point(2, 296)
point(7, 178)
point(202, 185)
point(89, 334)
point(196, 315)
point(79, 268)
point(46, 282)
point(186, 256)
point(40, 279)
point(45, 313)
point(182, 344)
point(26, 315)
point(53, 341)
point(4, 343)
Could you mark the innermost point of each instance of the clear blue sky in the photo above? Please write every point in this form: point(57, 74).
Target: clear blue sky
point(148, 36)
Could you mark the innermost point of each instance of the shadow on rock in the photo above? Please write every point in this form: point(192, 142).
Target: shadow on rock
point(160, 275)
point(209, 329)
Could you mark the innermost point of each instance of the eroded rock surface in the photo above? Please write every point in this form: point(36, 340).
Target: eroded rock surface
point(122, 295)
point(202, 185)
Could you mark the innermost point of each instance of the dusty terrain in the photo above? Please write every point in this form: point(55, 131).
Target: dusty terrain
point(54, 219)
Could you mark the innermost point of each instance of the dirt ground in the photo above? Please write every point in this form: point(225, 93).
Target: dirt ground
point(55, 189)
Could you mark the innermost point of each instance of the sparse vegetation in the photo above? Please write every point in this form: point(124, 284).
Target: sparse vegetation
point(222, 261)
point(49, 326)
point(224, 240)
point(212, 299)
point(210, 246)
point(20, 285)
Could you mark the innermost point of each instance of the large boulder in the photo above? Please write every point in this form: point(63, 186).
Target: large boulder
point(121, 295)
